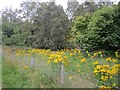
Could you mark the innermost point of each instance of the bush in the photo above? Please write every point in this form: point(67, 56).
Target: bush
point(101, 31)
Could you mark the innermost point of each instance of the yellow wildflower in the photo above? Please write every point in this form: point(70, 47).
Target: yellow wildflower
point(60, 59)
point(113, 60)
point(108, 59)
point(65, 57)
point(110, 76)
point(48, 61)
point(112, 72)
point(95, 63)
point(78, 70)
point(104, 88)
point(71, 54)
point(98, 67)
point(95, 54)
point(104, 78)
point(107, 66)
point(114, 84)
point(78, 65)
point(70, 77)
point(88, 55)
point(83, 60)
point(79, 52)
point(56, 61)
point(116, 54)
point(100, 52)
point(95, 71)
point(26, 67)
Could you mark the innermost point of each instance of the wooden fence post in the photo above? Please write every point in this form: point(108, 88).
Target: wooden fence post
point(62, 74)
point(32, 61)
point(12, 56)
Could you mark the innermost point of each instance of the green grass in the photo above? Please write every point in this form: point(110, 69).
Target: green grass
point(44, 75)
point(13, 78)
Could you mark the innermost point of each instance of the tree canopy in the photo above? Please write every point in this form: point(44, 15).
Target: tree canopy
point(46, 25)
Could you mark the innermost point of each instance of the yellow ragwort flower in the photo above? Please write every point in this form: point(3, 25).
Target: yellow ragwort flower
point(56, 61)
point(48, 61)
point(104, 78)
point(108, 59)
point(113, 60)
point(78, 65)
point(83, 60)
point(95, 63)
point(26, 67)
point(100, 52)
point(70, 77)
point(114, 85)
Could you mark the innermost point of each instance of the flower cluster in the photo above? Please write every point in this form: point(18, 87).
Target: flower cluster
point(26, 67)
point(104, 87)
point(58, 57)
point(106, 72)
point(97, 54)
point(83, 60)
point(95, 63)
point(109, 59)
point(74, 60)
point(116, 54)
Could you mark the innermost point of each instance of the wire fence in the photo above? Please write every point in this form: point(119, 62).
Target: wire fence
point(64, 73)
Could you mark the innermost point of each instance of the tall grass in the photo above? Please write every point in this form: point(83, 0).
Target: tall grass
point(77, 74)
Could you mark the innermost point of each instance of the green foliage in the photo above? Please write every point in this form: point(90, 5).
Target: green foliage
point(81, 23)
point(11, 77)
point(14, 78)
point(86, 7)
point(42, 25)
point(99, 31)
point(52, 23)
point(71, 8)
point(45, 25)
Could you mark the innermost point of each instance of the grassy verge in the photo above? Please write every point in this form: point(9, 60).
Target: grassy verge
point(79, 71)
point(13, 78)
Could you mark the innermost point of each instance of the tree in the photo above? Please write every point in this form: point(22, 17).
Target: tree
point(53, 26)
point(72, 5)
point(102, 3)
point(101, 31)
point(13, 30)
point(8, 24)
point(86, 7)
